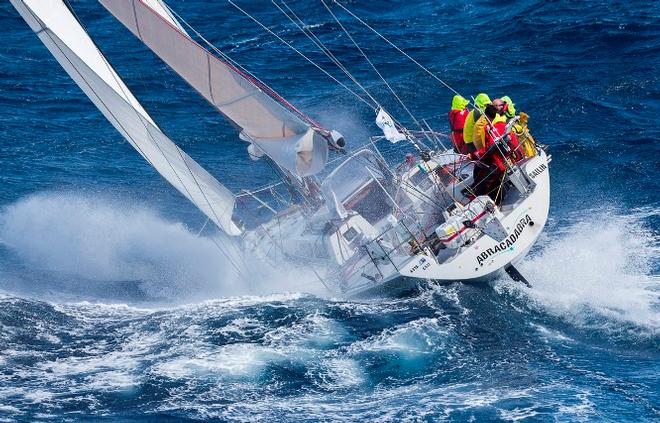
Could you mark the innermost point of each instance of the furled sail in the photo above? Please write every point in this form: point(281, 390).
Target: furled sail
point(66, 39)
point(290, 138)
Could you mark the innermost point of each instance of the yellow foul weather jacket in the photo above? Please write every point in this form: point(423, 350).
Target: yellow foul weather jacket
point(468, 127)
point(479, 135)
point(480, 101)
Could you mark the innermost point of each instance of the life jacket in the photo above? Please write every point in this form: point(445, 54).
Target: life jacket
point(456, 124)
point(490, 154)
point(468, 128)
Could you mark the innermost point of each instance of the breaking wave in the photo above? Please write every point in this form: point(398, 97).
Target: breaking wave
point(100, 240)
point(599, 269)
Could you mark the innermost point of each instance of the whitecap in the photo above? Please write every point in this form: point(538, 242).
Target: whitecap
point(234, 361)
point(597, 271)
point(338, 373)
point(418, 337)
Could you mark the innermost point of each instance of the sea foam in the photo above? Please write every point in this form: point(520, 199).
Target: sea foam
point(598, 269)
point(97, 239)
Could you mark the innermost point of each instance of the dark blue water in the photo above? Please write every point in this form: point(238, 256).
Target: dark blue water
point(112, 308)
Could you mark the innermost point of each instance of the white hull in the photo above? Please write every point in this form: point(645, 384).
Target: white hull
point(485, 258)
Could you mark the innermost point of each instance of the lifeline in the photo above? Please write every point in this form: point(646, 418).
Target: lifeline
point(507, 242)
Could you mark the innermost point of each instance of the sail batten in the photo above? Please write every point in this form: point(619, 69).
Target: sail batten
point(61, 33)
point(258, 111)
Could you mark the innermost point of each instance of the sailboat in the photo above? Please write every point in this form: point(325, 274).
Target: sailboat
point(367, 227)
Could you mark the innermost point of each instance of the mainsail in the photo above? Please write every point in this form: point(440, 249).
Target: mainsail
point(265, 119)
point(67, 40)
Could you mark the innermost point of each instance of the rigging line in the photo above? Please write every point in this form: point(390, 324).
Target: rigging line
point(325, 50)
point(434, 76)
point(438, 181)
point(382, 158)
point(203, 226)
point(422, 196)
point(255, 20)
point(248, 193)
point(409, 136)
point(288, 179)
point(367, 146)
point(371, 64)
point(278, 197)
point(435, 178)
point(435, 137)
point(140, 118)
point(310, 35)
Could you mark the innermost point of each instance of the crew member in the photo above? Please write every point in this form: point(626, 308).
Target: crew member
point(479, 135)
point(525, 139)
point(492, 159)
point(480, 101)
point(509, 107)
point(457, 116)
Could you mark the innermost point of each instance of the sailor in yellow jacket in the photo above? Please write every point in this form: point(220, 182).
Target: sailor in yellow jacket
point(479, 134)
point(480, 103)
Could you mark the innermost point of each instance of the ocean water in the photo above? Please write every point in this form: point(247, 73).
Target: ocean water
point(113, 306)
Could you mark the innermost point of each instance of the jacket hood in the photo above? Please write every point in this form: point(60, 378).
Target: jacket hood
point(459, 103)
point(481, 100)
point(511, 111)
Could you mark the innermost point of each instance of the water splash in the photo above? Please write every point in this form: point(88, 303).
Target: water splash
point(598, 271)
point(99, 240)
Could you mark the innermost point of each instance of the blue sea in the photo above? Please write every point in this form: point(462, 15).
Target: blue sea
point(115, 305)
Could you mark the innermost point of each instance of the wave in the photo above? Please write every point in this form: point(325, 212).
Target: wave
point(598, 270)
point(96, 241)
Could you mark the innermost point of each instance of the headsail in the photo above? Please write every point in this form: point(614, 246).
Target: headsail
point(67, 40)
point(159, 7)
point(264, 118)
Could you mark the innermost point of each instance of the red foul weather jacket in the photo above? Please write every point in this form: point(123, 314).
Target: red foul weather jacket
point(494, 155)
point(456, 123)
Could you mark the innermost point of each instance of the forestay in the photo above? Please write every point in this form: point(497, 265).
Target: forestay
point(66, 39)
point(290, 138)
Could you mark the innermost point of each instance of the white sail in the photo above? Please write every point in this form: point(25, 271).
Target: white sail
point(263, 117)
point(67, 40)
point(161, 8)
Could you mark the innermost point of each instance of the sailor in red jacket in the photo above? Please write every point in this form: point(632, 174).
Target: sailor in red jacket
point(492, 159)
point(457, 116)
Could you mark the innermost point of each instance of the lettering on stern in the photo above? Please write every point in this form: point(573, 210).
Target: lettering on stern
point(507, 244)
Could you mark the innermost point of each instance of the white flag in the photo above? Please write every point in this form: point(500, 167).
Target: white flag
point(385, 122)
